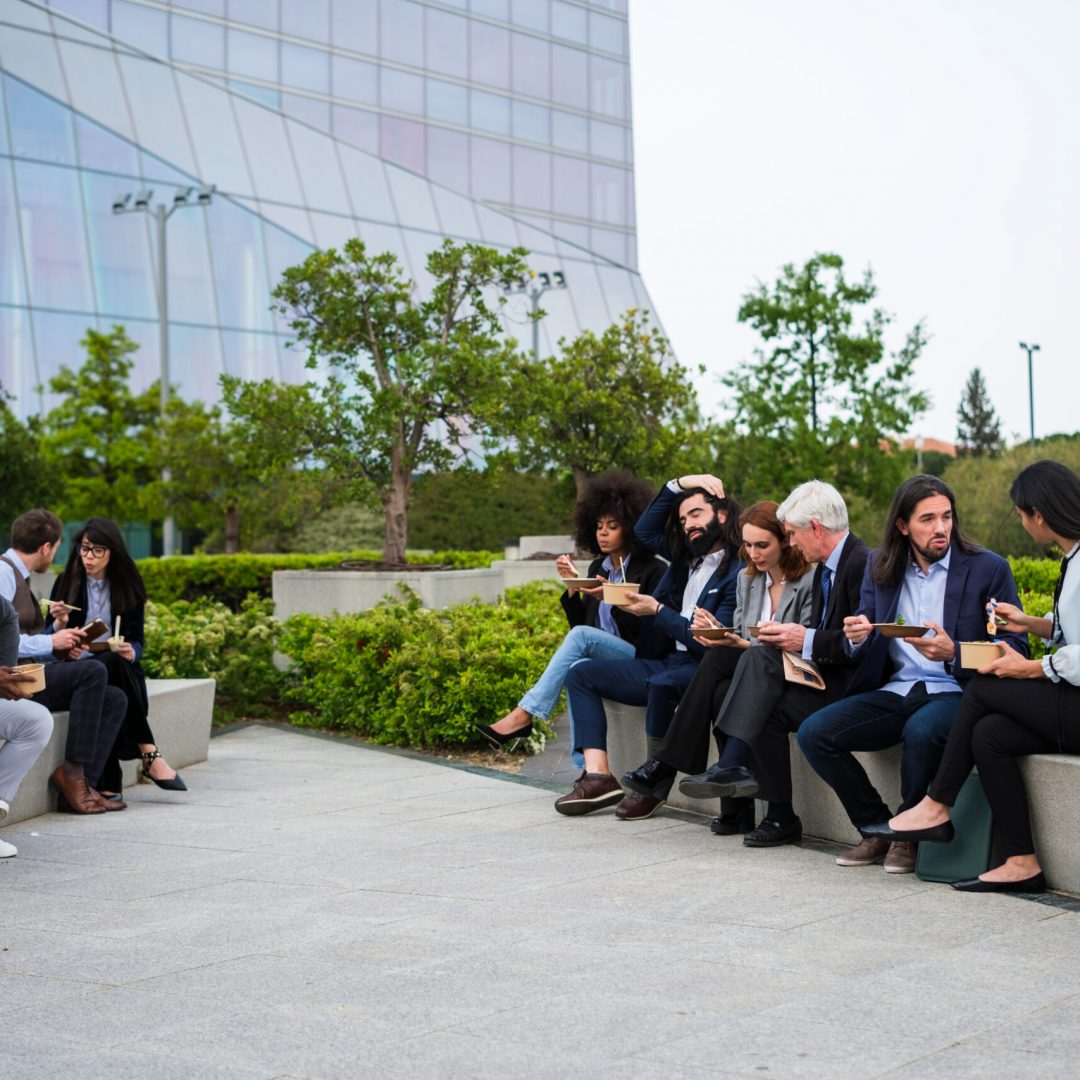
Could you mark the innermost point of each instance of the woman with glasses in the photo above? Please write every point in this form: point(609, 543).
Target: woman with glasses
point(103, 582)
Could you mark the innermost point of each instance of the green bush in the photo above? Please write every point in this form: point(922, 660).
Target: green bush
point(409, 676)
point(205, 640)
point(229, 578)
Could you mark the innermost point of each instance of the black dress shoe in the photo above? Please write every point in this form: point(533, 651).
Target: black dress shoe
point(772, 834)
point(734, 821)
point(653, 779)
point(715, 783)
point(1028, 885)
point(499, 740)
point(937, 834)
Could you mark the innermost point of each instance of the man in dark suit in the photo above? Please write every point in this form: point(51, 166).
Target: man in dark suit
point(759, 708)
point(696, 527)
point(907, 690)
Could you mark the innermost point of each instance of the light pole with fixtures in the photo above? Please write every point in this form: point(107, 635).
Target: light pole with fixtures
point(534, 286)
point(141, 202)
point(1029, 349)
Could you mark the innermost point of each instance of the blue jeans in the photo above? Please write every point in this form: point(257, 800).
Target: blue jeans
point(581, 643)
point(874, 721)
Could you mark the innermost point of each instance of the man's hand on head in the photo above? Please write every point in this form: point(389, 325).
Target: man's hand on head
point(712, 484)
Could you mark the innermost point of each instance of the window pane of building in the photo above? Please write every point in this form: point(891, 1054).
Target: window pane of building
point(95, 12)
point(570, 132)
point(607, 33)
point(320, 173)
point(57, 335)
point(529, 13)
point(355, 24)
point(141, 26)
point(18, 369)
point(490, 169)
point(40, 128)
point(12, 280)
point(191, 280)
point(531, 122)
point(608, 87)
point(447, 101)
point(253, 55)
point(569, 21)
point(608, 194)
point(100, 150)
point(263, 133)
point(402, 141)
point(250, 356)
point(254, 12)
point(265, 94)
point(197, 42)
point(239, 268)
point(569, 76)
point(313, 111)
point(195, 361)
point(448, 158)
point(401, 91)
point(531, 68)
point(570, 184)
point(412, 196)
point(456, 214)
point(214, 133)
point(354, 80)
point(607, 140)
point(490, 112)
point(401, 31)
point(489, 54)
point(447, 43)
point(209, 7)
point(311, 19)
point(497, 9)
point(304, 67)
point(357, 127)
point(155, 108)
point(532, 178)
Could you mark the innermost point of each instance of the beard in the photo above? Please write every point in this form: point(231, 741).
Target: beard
point(702, 543)
point(933, 555)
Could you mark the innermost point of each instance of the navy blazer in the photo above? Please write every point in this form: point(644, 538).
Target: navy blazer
point(972, 580)
point(661, 631)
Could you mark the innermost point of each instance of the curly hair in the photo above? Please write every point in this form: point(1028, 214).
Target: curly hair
point(762, 515)
point(616, 493)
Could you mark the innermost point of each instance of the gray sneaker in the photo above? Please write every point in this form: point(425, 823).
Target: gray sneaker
point(871, 850)
point(592, 791)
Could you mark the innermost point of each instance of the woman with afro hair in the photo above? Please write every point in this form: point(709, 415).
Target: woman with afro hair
point(604, 520)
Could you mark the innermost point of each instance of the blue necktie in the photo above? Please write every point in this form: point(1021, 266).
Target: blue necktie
point(826, 588)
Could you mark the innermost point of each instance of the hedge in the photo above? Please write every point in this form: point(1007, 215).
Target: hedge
point(228, 579)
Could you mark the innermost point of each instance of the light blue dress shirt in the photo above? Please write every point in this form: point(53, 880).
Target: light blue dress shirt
point(607, 620)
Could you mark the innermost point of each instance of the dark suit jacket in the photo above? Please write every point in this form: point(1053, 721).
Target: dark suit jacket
point(661, 631)
point(972, 580)
point(645, 570)
point(132, 622)
point(829, 649)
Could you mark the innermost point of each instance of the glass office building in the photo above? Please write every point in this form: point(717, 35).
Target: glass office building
point(505, 122)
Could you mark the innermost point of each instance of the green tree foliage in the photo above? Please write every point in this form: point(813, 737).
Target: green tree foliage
point(981, 485)
point(401, 379)
point(26, 479)
point(99, 441)
point(617, 399)
point(822, 397)
point(978, 429)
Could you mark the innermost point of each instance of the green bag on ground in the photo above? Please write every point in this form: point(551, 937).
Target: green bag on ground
point(967, 855)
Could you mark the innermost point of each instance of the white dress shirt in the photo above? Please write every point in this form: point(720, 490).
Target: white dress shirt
point(1066, 661)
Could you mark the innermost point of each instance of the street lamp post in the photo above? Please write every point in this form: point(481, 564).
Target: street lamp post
point(141, 202)
point(534, 286)
point(1029, 349)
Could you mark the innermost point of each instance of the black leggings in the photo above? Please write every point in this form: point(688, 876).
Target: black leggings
point(998, 721)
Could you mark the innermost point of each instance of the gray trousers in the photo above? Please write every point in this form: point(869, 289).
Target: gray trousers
point(25, 727)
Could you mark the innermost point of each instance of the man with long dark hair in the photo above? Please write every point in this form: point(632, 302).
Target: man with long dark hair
point(926, 573)
point(95, 709)
point(693, 524)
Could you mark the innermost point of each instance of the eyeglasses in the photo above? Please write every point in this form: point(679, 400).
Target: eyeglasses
point(93, 549)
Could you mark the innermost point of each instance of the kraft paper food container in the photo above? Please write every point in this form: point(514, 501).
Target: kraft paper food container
point(977, 654)
point(115, 643)
point(617, 594)
point(38, 671)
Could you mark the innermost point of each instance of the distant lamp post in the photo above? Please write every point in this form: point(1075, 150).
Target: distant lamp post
point(534, 286)
point(142, 202)
point(919, 444)
point(1029, 349)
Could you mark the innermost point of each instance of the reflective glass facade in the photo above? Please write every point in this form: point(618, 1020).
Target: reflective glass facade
point(501, 121)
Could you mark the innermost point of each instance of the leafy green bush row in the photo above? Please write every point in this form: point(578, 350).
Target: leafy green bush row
point(409, 676)
point(229, 578)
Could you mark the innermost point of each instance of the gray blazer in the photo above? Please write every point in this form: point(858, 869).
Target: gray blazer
point(794, 606)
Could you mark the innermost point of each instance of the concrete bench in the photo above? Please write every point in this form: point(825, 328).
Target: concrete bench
point(181, 713)
point(1053, 784)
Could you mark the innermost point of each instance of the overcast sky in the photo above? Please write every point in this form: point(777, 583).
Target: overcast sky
point(936, 141)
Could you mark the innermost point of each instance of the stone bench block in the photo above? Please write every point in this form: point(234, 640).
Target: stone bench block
point(181, 714)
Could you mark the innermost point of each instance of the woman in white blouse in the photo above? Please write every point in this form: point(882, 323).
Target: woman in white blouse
point(1016, 707)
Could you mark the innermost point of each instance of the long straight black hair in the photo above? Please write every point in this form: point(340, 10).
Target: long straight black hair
point(894, 554)
point(126, 588)
point(1054, 490)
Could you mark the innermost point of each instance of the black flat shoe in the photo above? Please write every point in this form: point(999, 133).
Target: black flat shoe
point(734, 821)
point(735, 782)
point(653, 779)
point(501, 741)
point(937, 834)
point(773, 834)
point(175, 784)
point(1028, 885)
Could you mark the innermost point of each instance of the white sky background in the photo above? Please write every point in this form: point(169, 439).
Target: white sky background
point(937, 141)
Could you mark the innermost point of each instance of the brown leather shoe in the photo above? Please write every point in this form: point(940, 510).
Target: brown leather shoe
point(635, 807)
point(871, 850)
point(74, 796)
point(592, 791)
point(901, 857)
point(108, 804)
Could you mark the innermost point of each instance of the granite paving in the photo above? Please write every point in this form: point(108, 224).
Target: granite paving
point(316, 908)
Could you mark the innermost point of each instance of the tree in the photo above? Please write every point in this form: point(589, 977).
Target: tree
point(822, 397)
point(98, 442)
point(614, 400)
point(401, 380)
point(978, 429)
point(26, 481)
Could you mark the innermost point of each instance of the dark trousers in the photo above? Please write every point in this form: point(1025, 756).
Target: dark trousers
point(656, 684)
point(135, 727)
point(96, 711)
point(1000, 720)
point(686, 744)
point(875, 721)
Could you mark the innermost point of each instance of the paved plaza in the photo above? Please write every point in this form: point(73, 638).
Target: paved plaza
point(316, 908)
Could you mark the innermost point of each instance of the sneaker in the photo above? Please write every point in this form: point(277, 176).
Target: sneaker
point(871, 850)
point(7, 850)
point(3, 809)
point(901, 858)
point(635, 807)
point(592, 791)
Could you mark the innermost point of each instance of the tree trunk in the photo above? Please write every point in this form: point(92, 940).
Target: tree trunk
point(232, 530)
point(396, 507)
point(581, 478)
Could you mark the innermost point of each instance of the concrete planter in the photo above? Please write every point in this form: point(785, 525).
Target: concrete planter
point(515, 572)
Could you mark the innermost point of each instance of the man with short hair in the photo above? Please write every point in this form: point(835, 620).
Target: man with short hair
point(96, 710)
point(753, 719)
point(906, 689)
point(696, 527)
point(25, 726)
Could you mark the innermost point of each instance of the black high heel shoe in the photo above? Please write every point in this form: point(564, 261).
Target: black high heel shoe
point(501, 741)
point(175, 784)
